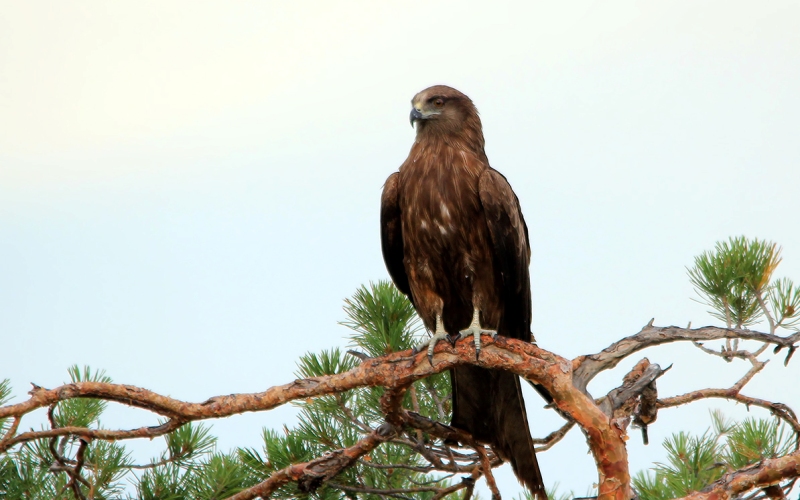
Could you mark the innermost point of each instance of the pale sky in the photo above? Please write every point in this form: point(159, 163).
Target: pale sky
point(188, 190)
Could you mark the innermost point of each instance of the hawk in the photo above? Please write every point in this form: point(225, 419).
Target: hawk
point(455, 242)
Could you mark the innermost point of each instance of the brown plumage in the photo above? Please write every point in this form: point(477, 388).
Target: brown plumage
point(455, 242)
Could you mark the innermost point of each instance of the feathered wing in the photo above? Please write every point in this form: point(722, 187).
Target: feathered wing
point(392, 234)
point(511, 252)
point(488, 402)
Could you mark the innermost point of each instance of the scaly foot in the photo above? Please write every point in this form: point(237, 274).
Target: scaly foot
point(475, 330)
point(438, 335)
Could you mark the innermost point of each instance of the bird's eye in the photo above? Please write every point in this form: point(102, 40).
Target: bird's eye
point(438, 103)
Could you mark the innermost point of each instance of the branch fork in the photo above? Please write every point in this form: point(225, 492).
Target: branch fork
point(604, 422)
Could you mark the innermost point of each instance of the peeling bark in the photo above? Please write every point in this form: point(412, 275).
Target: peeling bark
point(603, 422)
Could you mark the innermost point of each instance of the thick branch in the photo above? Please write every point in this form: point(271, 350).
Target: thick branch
point(566, 381)
point(391, 371)
point(761, 475)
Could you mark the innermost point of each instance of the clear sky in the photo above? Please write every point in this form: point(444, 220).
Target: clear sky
point(188, 190)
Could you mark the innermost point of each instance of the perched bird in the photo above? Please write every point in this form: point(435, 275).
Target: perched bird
point(454, 241)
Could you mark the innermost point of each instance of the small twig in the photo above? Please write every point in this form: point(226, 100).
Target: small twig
point(435, 396)
point(414, 468)
point(415, 405)
point(466, 482)
point(727, 353)
point(725, 304)
point(554, 437)
point(155, 465)
point(379, 491)
point(358, 354)
point(758, 352)
point(432, 481)
point(778, 409)
point(12, 431)
point(757, 367)
point(349, 414)
point(764, 308)
point(432, 458)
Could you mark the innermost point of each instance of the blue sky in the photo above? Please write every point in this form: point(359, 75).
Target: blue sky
point(188, 191)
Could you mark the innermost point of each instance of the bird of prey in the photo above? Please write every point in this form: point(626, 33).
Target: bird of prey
point(454, 241)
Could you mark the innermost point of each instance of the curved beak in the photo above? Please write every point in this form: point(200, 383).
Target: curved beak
point(416, 115)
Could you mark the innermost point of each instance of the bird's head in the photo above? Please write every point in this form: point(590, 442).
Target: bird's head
point(443, 109)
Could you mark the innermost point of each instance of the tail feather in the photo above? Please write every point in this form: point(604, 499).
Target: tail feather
point(488, 404)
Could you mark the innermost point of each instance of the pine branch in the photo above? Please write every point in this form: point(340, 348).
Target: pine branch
point(310, 475)
point(762, 475)
point(396, 372)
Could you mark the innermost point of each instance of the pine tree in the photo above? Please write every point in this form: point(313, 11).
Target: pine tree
point(696, 461)
point(735, 280)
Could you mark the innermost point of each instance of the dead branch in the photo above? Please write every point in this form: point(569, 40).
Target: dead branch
point(588, 366)
point(634, 383)
point(780, 410)
point(565, 380)
point(467, 483)
point(554, 437)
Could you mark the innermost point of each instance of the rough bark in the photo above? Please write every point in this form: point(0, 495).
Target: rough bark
point(604, 422)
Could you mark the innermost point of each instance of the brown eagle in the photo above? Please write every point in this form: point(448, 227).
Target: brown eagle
point(454, 241)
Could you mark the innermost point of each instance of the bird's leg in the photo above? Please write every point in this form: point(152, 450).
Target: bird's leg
point(438, 335)
point(475, 330)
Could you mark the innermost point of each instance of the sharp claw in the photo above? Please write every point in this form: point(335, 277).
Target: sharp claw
point(476, 331)
point(438, 335)
point(454, 339)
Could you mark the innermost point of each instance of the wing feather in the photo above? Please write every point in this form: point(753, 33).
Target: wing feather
point(511, 250)
point(392, 234)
